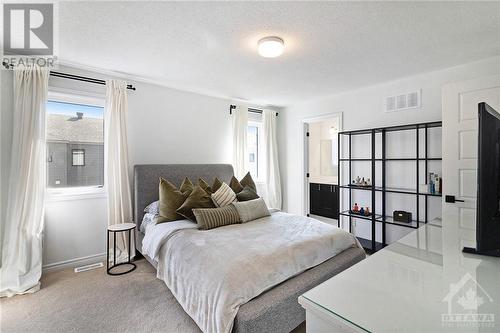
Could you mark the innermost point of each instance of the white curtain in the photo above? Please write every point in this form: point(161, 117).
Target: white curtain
point(272, 172)
point(240, 123)
point(22, 243)
point(117, 180)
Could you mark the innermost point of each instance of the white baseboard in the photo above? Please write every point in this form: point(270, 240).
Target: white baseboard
point(72, 263)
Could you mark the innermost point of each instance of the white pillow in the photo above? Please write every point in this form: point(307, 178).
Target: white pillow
point(252, 209)
point(224, 196)
point(147, 220)
point(153, 208)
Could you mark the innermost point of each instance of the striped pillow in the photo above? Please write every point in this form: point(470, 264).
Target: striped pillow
point(209, 218)
point(224, 196)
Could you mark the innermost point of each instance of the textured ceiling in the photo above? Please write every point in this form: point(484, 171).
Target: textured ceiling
point(330, 46)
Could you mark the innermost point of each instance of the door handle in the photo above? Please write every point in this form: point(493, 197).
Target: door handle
point(451, 199)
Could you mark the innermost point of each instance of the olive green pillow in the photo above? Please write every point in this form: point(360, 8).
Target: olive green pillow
point(238, 186)
point(198, 198)
point(204, 185)
point(216, 185)
point(248, 181)
point(170, 199)
point(210, 189)
point(247, 194)
point(235, 185)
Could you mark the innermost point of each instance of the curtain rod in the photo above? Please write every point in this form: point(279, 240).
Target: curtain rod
point(259, 111)
point(83, 78)
point(74, 77)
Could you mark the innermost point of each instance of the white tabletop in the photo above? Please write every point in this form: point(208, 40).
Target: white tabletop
point(422, 283)
point(121, 227)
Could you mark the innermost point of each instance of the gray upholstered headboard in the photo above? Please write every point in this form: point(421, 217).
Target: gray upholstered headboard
point(146, 180)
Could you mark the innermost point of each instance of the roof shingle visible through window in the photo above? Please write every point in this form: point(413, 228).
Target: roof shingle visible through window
point(67, 128)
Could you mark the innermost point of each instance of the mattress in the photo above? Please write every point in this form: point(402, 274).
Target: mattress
point(211, 281)
point(277, 310)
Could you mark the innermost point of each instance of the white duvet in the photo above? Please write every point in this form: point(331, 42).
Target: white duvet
point(213, 272)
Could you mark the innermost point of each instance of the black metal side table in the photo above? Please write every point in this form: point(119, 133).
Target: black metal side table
point(114, 229)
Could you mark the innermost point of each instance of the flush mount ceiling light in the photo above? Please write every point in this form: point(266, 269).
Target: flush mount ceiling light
point(271, 47)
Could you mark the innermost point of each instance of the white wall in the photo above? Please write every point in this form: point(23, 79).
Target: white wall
point(164, 126)
point(363, 108)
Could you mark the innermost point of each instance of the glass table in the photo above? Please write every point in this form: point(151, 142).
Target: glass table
point(422, 283)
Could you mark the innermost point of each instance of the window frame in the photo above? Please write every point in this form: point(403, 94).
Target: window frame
point(81, 192)
point(79, 150)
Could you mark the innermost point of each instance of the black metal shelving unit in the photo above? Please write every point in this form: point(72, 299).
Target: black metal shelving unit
point(371, 244)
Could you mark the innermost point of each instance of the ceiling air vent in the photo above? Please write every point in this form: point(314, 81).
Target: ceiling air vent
point(402, 102)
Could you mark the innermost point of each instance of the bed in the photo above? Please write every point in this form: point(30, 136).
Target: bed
point(276, 308)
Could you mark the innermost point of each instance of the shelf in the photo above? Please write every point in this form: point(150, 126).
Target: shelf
point(380, 219)
point(367, 245)
point(414, 159)
point(390, 190)
point(354, 187)
point(368, 218)
point(396, 159)
point(390, 220)
point(378, 158)
point(394, 128)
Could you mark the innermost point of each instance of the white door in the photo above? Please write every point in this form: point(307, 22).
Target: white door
point(460, 134)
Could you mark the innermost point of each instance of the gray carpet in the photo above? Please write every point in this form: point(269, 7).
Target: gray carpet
point(93, 301)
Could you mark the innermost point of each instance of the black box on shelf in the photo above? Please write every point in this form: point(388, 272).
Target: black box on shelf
point(402, 216)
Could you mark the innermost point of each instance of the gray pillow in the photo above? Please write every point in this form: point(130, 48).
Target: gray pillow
point(251, 210)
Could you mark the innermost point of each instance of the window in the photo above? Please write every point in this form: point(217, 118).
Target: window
point(75, 141)
point(78, 157)
point(254, 147)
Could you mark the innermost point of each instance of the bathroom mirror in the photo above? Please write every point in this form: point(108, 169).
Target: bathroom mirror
point(322, 148)
point(328, 160)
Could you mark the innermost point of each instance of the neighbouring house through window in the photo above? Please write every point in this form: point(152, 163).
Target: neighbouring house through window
point(75, 143)
point(254, 146)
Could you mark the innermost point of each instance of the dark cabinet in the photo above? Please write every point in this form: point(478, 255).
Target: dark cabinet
point(324, 200)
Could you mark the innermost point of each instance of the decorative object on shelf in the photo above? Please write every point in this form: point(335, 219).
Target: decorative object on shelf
point(402, 216)
point(435, 183)
point(361, 182)
point(360, 211)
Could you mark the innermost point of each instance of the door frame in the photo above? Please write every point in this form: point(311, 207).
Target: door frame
point(305, 153)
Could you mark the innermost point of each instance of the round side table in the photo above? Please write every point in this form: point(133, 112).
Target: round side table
point(122, 227)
